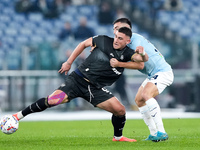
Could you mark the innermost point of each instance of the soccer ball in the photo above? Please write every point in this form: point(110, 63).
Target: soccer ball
point(9, 124)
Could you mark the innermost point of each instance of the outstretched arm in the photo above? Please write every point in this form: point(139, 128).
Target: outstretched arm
point(77, 51)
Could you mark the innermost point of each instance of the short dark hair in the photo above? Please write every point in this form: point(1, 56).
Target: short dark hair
point(126, 31)
point(123, 20)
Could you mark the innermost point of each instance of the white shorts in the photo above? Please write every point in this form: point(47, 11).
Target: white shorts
point(161, 80)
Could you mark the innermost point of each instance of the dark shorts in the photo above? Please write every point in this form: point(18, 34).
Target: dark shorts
point(76, 86)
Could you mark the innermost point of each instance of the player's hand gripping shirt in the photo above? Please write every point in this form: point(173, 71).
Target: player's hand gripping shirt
point(156, 62)
point(96, 67)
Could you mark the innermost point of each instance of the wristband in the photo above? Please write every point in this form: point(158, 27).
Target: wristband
point(143, 53)
point(68, 63)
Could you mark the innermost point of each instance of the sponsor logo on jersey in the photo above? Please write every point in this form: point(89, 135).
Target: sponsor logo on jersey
point(116, 71)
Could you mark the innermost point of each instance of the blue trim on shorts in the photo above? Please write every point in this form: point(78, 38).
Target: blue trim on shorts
point(77, 71)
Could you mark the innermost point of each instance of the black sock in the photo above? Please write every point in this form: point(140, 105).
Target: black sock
point(38, 106)
point(118, 124)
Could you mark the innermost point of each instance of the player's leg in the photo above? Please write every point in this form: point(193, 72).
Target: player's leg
point(56, 98)
point(149, 92)
point(144, 110)
point(150, 110)
point(118, 118)
point(155, 113)
point(152, 88)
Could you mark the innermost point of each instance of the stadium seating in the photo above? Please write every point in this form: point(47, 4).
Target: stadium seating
point(2, 59)
point(34, 28)
point(25, 29)
point(185, 21)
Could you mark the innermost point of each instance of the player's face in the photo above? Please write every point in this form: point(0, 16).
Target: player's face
point(120, 40)
point(119, 25)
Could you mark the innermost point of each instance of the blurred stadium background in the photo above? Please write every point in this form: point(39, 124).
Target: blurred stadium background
point(32, 47)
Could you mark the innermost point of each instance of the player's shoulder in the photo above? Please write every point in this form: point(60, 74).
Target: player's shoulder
point(127, 48)
point(102, 36)
point(137, 40)
point(104, 39)
point(137, 36)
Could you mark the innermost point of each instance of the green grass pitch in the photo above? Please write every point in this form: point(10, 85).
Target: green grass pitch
point(184, 134)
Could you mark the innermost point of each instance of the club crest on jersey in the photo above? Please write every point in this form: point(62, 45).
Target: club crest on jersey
point(122, 57)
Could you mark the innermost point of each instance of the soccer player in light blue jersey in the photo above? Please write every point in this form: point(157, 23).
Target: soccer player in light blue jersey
point(159, 76)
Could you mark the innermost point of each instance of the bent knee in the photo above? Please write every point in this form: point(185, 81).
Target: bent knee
point(145, 96)
point(140, 102)
point(57, 98)
point(121, 111)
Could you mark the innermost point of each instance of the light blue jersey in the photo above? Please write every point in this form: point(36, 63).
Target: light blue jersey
point(156, 62)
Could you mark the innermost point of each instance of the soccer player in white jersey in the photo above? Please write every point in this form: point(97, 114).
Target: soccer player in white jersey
point(159, 76)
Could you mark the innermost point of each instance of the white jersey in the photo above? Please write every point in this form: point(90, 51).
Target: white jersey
point(156, 62)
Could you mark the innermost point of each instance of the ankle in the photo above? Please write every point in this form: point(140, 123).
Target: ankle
point(18, 115)
point(118, 137)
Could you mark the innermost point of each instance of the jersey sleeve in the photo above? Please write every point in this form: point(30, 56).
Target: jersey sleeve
point(129, 54)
